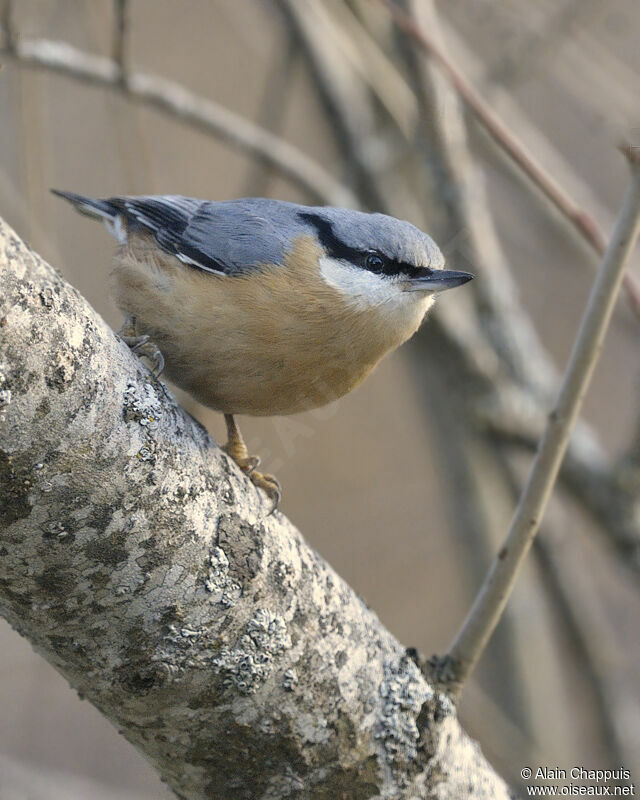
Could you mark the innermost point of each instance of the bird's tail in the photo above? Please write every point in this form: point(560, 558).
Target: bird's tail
point(106, 210)
point(98, 209)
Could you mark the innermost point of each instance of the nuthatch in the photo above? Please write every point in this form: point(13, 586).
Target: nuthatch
point(263, 307)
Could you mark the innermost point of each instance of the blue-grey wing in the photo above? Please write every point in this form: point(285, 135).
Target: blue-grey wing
point(225, 238)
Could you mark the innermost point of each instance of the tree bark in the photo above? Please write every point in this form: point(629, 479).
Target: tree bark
point(145, 568)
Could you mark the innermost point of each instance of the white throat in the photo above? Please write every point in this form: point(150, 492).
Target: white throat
point(366, 290)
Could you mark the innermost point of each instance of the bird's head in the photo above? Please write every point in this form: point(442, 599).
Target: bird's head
point(375, 260)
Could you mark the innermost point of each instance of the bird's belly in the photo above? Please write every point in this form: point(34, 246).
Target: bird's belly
point(263, 384)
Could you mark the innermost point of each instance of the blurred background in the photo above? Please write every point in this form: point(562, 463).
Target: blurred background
point(406, 486)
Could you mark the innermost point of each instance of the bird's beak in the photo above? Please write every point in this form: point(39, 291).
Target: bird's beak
point(438, 280)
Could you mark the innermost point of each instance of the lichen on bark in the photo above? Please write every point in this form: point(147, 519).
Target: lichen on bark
point(145, 567)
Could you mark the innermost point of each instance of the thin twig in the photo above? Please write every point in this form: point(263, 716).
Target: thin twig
point(121, 20)
point(442, 154)
point(478, 505)
point(581, 220)
point(273, 107)
point(341, 97)
point(556, 162)
point(511, 388)
point(563, 39)
point(605, 491)
point(199, 112)
point(492, 597)
point(6, 19)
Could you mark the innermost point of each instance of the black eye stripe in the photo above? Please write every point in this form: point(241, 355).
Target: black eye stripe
point(362, 258)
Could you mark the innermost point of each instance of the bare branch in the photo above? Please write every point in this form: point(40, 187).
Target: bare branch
point(121, 20)
point(178, 102)
point(6, 21)
point(374, 66)
point(493, 595)
point(606, 491)
point(493, 346)
point(142, 564)
point(273, 107)
point(479, 503)
point(583, 222)
point(340, 94)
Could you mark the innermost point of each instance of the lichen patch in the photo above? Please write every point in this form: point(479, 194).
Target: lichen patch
point(249, 664)
point(403, 692)
point(223, 588)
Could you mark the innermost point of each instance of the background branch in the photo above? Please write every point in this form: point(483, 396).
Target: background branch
point(493, 346)
point(273, 108)
point(119, 55)
point(180, 103)
point(341, 94)
point(490, 601)
point(584, 223)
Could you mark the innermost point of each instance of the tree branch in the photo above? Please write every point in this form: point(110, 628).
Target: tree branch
point(178, 102)
point(342, 95)
point(494, 593)
point(493, 347)
point(141, 563)
point(273, 108)
point(606, 491)
point(6, 21)
point(120, 31)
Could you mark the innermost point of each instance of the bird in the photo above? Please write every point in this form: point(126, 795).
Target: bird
point(262, 307)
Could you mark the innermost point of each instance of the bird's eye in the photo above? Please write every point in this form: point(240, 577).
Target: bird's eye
point(374, 263)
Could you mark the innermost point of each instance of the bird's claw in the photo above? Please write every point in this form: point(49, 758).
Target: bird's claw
point(270, 486)
point(143, 346)
point(268, 483)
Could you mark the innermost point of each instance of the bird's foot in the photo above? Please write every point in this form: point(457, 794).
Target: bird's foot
point(237, 450)
point(270, 485)
point(142, 345)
